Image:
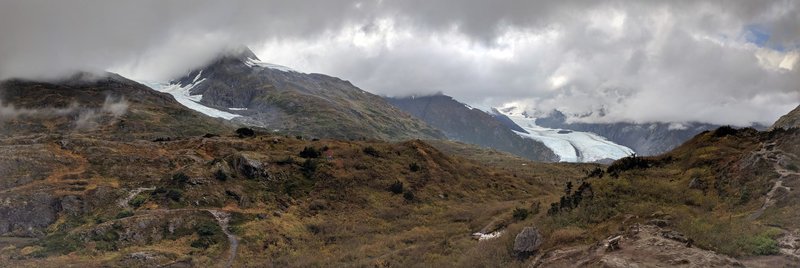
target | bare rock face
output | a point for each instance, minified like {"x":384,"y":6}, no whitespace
{"x":527,"y":242}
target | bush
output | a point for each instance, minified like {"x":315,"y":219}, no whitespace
{"x":520,"y":214}
{"x":207,"y":229}
{"x":371,"y":151}
{"x":310,"y":152}
{"x":245,"y":132}
{"x":396,"y":187}
{"x":180,"y":178}
{"x":138,"y":201}
{"x":175,"y":194}
{"x":413,"y":167}
{"x":408,"y":196}
{"x":286,"y":161}
{"x":309,"y":167}
{"x":124,"y":214}
{"x":220,"y":175}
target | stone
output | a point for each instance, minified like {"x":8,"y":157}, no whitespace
{"x":527,"y":242}
{"x":659,"y":222}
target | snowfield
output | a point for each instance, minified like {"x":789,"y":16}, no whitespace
{"x":571,"y":146}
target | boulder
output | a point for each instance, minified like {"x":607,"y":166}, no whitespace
{"x":247,"y":166}
{"x":527,"y":242}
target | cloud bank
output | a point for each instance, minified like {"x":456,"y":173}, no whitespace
{"x":638,"y":61}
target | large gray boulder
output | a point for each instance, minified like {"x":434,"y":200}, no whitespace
{"x":527,"y":242}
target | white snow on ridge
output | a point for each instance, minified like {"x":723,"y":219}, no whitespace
{"x":571,"y":146}
{"x":257,"y":63}
{"x":184,"y":97}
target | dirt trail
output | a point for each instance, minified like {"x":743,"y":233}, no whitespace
{"x":223,"y":218}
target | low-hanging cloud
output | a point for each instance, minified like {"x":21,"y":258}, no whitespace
{"x":638,"y":61}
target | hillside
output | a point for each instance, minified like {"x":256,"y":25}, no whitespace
{"x":242,"y":88}
{"x":790,"y":120}
{"x":462,"y":123}
{"x":106,"y":197}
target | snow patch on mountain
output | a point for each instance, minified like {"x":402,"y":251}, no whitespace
{"x":570,"y":146}
{"x":257,"y":63}
{"x":183,"y":95}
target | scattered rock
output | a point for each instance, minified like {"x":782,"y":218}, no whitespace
{"x":673,"y":235}
{"x":527,"y":242}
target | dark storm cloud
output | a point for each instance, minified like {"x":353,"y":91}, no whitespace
{"x":637,"y":61}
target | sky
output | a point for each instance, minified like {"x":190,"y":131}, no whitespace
{"x":721,"y":62}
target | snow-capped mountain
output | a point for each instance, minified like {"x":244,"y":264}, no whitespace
{"x":570,"y":146}
{"x":241,"y":88}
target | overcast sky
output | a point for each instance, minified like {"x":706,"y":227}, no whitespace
{"x":724,"y":62}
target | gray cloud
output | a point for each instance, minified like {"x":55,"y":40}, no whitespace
{"x":636,"y":61}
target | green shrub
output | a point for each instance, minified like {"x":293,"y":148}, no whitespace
{"x":309,"y":167}
{"x":286,"y":161}
{"x":180,"y":178}
{"x":414,"y":167}
{"x":220,"y":175}
{"x":520,"y":214}
{"x":396,"y":187}
{"x":175,"y":194}
{"x":408,"y":196}
{"x":138,"y":201}
{"x":245,"y":132}
{"x":371,"y":151}
{"x":124,"y":214}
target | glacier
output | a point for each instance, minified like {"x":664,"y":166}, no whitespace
{"x":183,"y":96}
{"x":570,"y":146}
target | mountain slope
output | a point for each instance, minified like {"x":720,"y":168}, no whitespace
{"x":790,"y":120}
{"x":108,"y":105}
{"x":644,"y":139}
{"x":462,"y":123}
{"x":241,"y":88}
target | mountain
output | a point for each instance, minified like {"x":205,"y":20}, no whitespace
{"x":790,"y":120}
{"x":644,"y":139}
{"x":242,"y":88}
{"x":106,"y":104}
{"x":569,"y":145}
{"x":466,"y":124}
